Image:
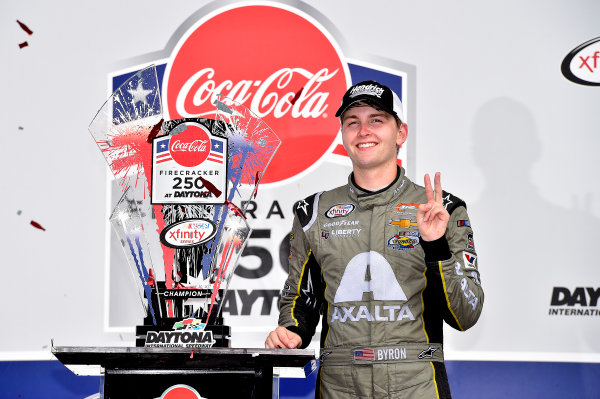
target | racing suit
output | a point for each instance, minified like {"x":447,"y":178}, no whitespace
{"x":356,"y":257}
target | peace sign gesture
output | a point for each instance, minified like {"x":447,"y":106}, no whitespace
{"x":432,"y":217}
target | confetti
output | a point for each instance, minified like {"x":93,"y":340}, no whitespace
{"x":154,"y":132}
{"x":24,"y":44}
{"x":234,"y":208}
{"x":151,"y":280}
{"x":222,"y":107}
{"x":210,"y":187}
{"x":297,"y":96}
{"x":256,"y":183}
{"x":25,"y":28}
{"x":37,"y":225}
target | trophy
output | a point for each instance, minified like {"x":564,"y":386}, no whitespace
{"x":180,"y":220}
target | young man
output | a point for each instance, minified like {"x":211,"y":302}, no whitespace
{"x":385,"y":261}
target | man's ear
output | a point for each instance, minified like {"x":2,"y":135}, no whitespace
{"x":402,"y":134}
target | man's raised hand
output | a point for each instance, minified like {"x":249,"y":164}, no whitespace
{"x":432,"y":217}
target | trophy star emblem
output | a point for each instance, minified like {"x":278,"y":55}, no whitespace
{"x":139,"y":94}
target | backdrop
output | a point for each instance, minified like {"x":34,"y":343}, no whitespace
{"x":485,"y":99}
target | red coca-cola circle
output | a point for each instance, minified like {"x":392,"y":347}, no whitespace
{"x":181,"y":391}
{"x":275,"y":62}
{"x":190,"y":147}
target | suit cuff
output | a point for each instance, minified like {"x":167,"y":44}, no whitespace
{"x":303,"y":335}
{"x":436,"y":250}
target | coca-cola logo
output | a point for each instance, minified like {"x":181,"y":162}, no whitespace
{"x":192,"y":146}
{"x":281,"y":65}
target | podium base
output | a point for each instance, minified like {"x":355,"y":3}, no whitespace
{"x":200,"y":373}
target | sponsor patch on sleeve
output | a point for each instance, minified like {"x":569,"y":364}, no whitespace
{"x":470,"y":260}
{"x":470,"y":242}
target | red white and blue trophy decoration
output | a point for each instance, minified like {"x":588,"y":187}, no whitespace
{"x":181,"y":216}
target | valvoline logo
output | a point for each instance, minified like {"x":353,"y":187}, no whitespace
{"x":276,"y":60}
{"x":181,"y":391}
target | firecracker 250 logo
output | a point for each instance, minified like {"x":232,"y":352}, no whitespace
{"x":183,"y":163}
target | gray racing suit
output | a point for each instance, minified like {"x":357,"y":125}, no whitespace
{"x":356,"y":257}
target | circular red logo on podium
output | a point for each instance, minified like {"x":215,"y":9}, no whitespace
{"x":278,"y":63}
{"x":181,"y":391}
{"x":190,"y":147}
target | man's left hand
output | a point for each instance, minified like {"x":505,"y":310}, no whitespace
{"x":432,"y":217}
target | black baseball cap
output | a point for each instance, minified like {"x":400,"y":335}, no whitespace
{"x":372,"y":92}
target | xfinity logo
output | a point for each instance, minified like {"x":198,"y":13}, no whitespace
{"x":339,"y":210}
{"x":582,"y":64}
{"x":188,"y":233}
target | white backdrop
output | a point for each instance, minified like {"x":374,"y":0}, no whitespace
{"x":510,"y":134}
